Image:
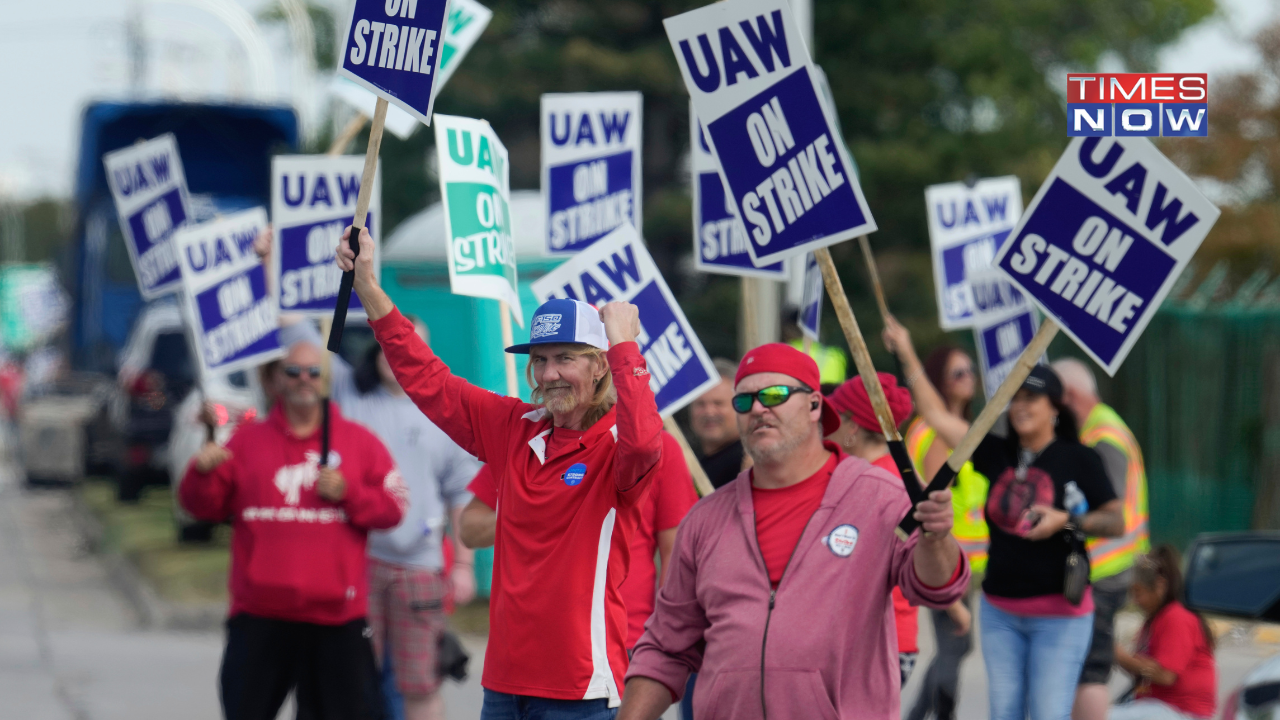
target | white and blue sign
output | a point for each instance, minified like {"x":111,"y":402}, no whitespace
{"x":234,"y":318}
{"x":1000,"y":343}
{"x":150,"y":192}
{"x":313,"y":199}
{"x":719,"y":242}
{"x":810,"y":318}
{"x":618,"y":267}
{"x":967,"y":227}
{"x":591,"y":180}
{"x":1104,"y":240}
{"x":392,"y":49}
{"x":575,"y":474}
{"x":753,"y":87}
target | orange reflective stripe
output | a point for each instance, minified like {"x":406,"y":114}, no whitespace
{"x":1112,"y":555}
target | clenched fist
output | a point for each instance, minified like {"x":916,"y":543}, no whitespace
{"x":211,"y":455}
{"x":621,"y":322}
{"x":331,"y":486}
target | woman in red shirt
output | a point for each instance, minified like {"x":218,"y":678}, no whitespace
{"x":860,"y":435}
{"x":1173,"y":662}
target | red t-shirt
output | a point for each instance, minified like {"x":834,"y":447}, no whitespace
{"x":906,"y":617}
{"x":782,"y":513}
{"x":669,"y":499}
{"x":1175,"y":639}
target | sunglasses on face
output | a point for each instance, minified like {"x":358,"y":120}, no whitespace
{"x":772,"y":396}
{"x":295,"y":371}
{"x":961,"y":373}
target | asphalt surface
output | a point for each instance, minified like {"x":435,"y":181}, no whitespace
{"x":73,"y":648}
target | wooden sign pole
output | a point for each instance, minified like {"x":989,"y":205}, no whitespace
{"x":344,"y":138}
{"x":701,"y":482}
{"x":513,"y":386}
{"x":1031,"y":354}
{"x":357,"y":224}
{"x":867,"y":371}
{"x":878,"y":289}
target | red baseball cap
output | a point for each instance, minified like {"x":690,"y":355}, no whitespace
{"x":851,"y":397}
{"x":780,"y":358}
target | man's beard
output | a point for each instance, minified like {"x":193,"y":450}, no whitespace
{"x":302,"y":398}
{"x":790,"y":440}
{"x":560,"y":403}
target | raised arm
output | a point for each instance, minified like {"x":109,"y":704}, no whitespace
{"x":639,"y":425}
{"x":477,"y":420}
{"x":929,"y":404}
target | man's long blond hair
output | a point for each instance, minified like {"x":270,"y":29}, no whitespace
{"x":605,"y":395}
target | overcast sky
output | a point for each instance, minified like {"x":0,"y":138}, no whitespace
{"x":60,"y":55}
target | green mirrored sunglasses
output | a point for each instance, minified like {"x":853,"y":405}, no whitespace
{"x":771,"y":396}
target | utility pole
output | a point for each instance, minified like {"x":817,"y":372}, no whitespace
{"x":136,"y":42}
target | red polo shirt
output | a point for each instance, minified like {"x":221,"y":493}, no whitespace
{"x":568,"y":503}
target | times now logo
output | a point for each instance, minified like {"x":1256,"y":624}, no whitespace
{"x":1138,"y":104}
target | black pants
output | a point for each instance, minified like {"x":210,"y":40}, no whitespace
{"x":940,"y":689}
{"x":330,"y":668}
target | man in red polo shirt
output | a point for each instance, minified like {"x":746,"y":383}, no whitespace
{"x":664,"y":507}
{"x":571,"y":474}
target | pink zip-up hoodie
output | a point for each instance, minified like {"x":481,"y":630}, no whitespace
{"x":820,"y":647}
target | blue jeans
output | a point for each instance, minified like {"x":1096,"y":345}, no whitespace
{"x":1033,"y":663}
{"x":686,"y":702}
{"x":502,"y":706}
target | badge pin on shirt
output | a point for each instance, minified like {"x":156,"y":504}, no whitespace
{"x":842,"y":540}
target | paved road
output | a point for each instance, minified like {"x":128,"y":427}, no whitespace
{"x":71,"y":647}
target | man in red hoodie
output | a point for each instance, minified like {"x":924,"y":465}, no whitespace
{"x":572,"y":472}
{"x":778,"y":592}
{"x":298,"y":568}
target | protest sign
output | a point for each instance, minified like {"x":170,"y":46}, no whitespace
{"x":967,"y":226}
{"x":618,"y":267}
{"x":810,"y":320}
{"x":475,"y":189}
{"x":1000,"y":341}
{"x":313,"y":199}
{"x":1104,"y":240}
{"x":719,"y":242}
{"x":773,"y":135}
{"x":390,"y":49}
{"x":150,"y":192}
{"x":591,"y":181}
{"x":464,"y":24}
{"x":234,"y":318}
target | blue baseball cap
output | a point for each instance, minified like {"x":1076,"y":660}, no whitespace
{"x":564,"y":321}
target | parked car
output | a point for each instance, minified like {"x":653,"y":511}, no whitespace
{"x":157,"y":370}
{"x":1238,"y":575}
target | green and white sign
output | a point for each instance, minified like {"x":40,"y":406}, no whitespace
{"x":475,"y":186}
{"x":464,"y":23}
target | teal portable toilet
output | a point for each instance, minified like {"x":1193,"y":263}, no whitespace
{"x":465,"y":331}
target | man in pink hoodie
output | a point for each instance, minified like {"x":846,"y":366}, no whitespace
{"x":778,"y":591}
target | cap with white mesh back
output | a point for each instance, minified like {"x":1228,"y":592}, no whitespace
{"x":564,"y":321}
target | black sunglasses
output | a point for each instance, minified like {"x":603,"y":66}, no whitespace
{"x":771,"y":396}
{"x":295,"y":371}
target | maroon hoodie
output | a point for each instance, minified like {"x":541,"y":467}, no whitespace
{"x":820,"y":647}
{"x":295,"y":556}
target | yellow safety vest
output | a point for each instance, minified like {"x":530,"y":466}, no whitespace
{"x":1109,"y":556}
{"x":968,"y":496}
{"x":832,"y":364}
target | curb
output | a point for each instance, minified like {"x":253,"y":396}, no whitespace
{"x":153,"y":611}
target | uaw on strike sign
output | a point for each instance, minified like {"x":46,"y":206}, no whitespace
{"x":475,"y":185}
{"x":752,"y":84}
{"x":150,"y":192}
{"x":1104,"y":240}
{"x":590,"y":166}
{"x":235,"y":318}
{"x":313,"y":199}
{"x":968,"y":225}
{"x":719,"y":242}
{"x":618,"y":267}
{"x":392,"y":49}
